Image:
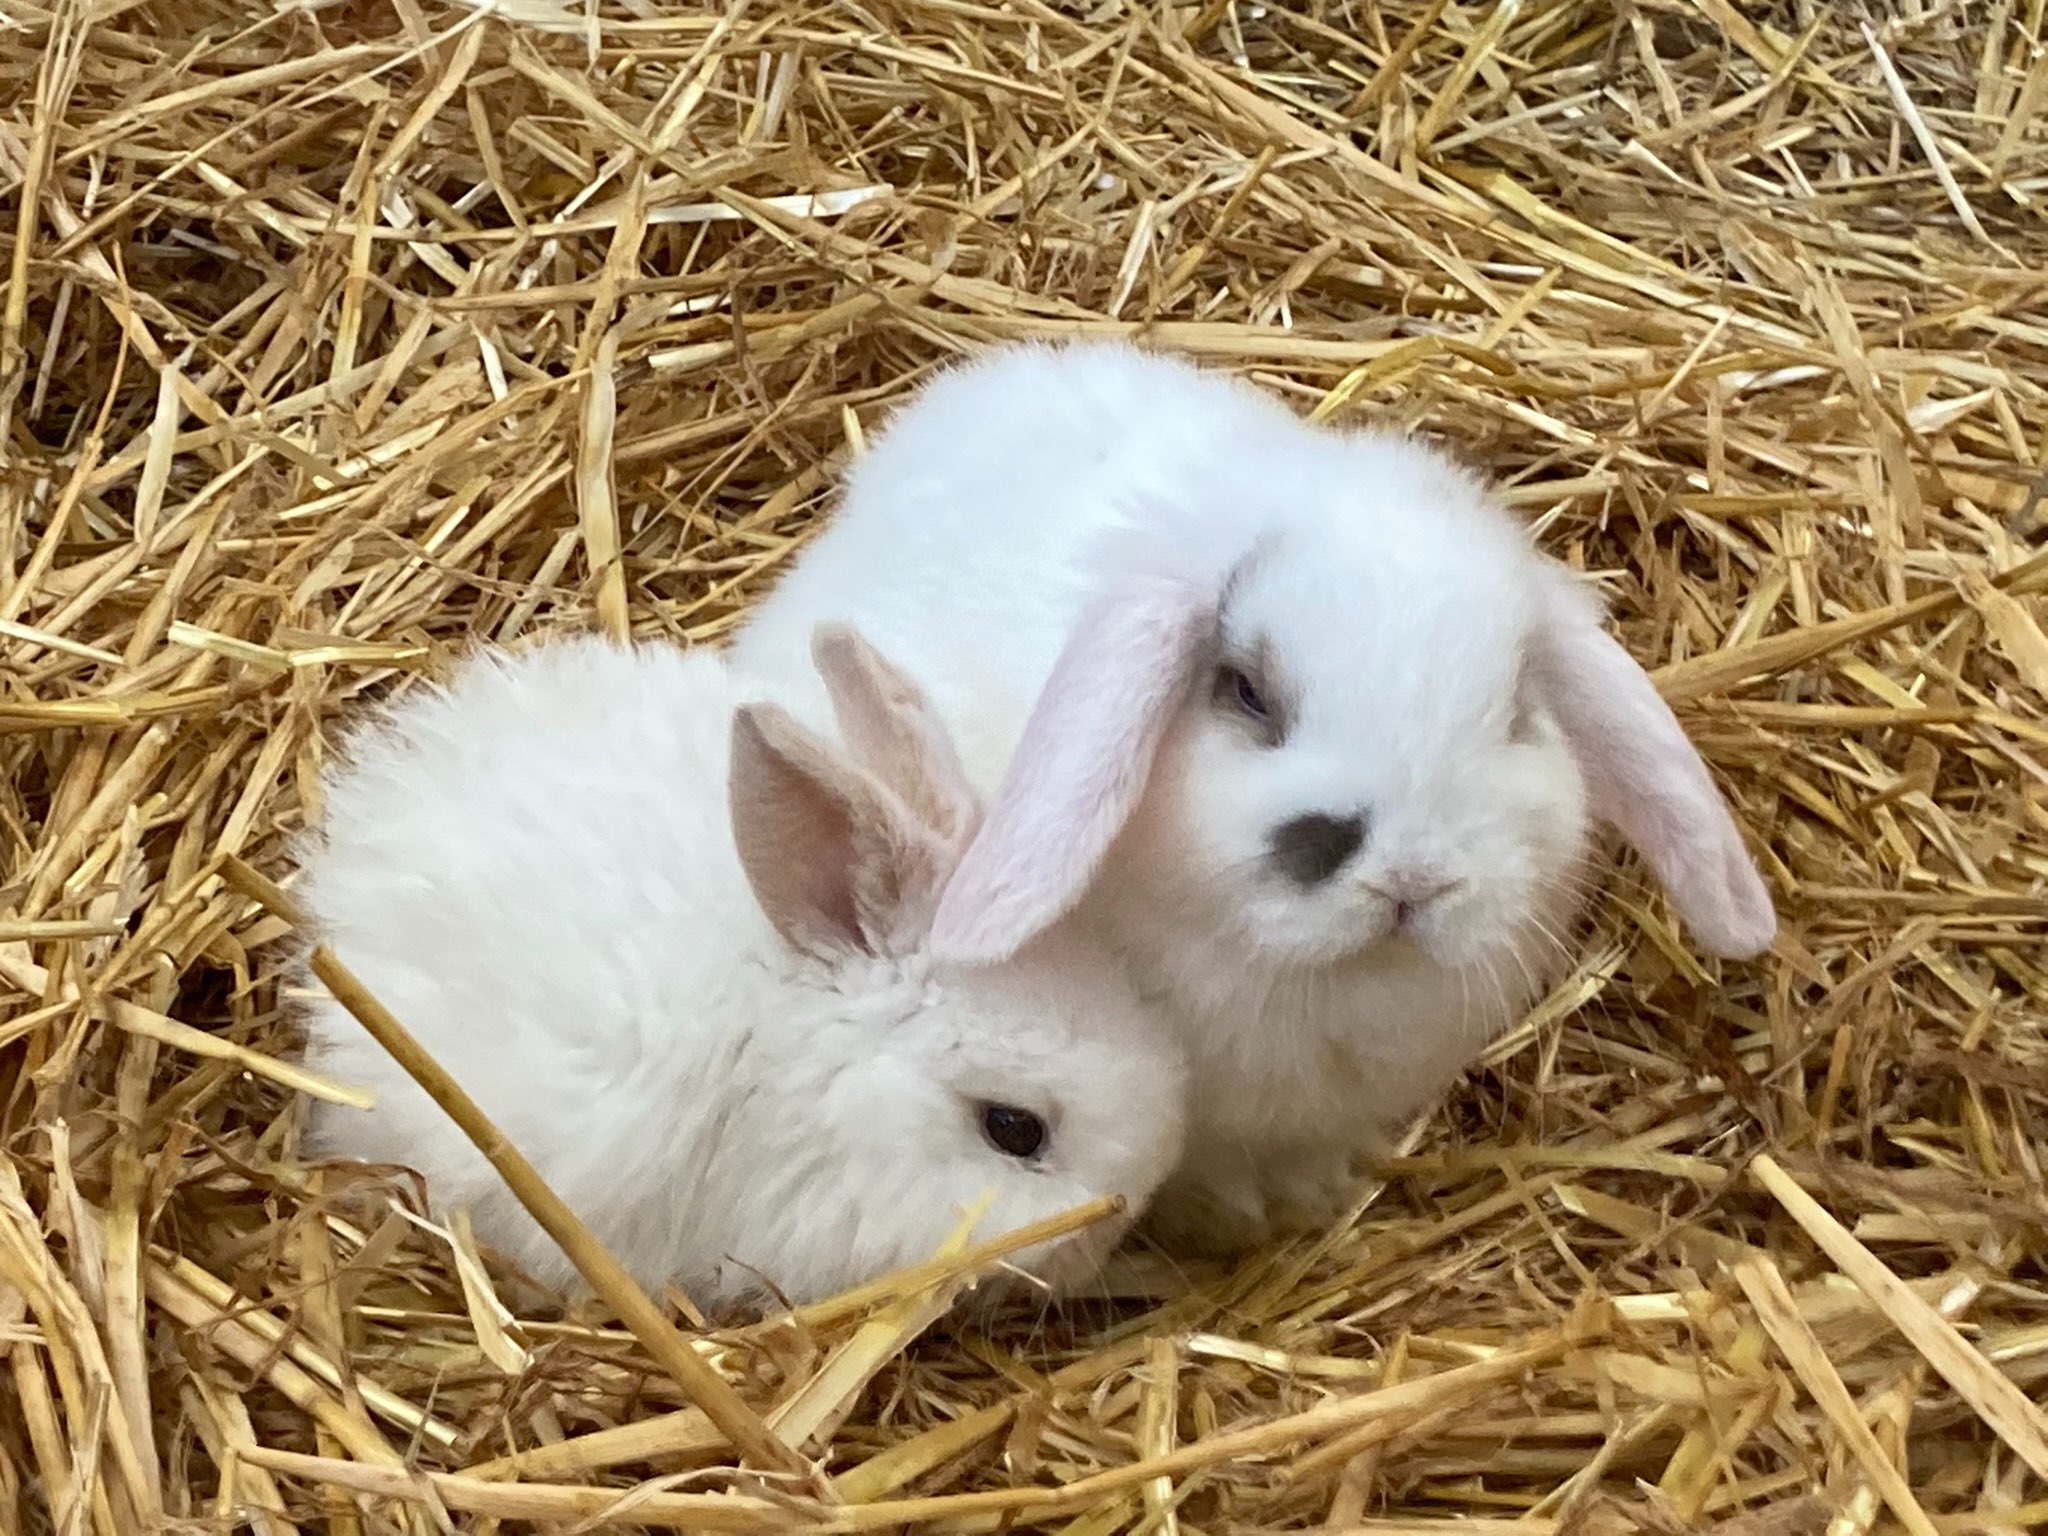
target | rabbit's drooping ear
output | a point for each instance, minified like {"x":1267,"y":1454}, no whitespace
{"x":837,"y":863}
{"x":1645,"y":779}
{"x":1080,"y":767}
{"x":893,"y":732}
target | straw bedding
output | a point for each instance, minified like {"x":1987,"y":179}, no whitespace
{"x":337,"y":335}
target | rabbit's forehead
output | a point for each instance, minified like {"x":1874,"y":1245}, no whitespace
{"x":1035,"y":1054}
{"x":1368,"y":634}
{"x":1059,"y":1000}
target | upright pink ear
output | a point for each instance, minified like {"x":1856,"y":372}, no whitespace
{"x":1645,"y":779}
{"x":893,"y":732}
{"x":1080,"y":767}
{"x":835,"y":860}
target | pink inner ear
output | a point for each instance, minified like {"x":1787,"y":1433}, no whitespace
{"x":1645,"y":779}
{"x":837,"y":863}
{"x":893,"y":732}
{"x":1080,"y":767}
{"x":795,"y":833}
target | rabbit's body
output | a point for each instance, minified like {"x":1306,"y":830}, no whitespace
{"x":535,"y":869}
{"x":1295,"y":718}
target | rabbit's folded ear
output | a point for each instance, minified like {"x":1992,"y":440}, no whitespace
{"x":894,"y":733}
{"x":838,"y":864}
{"x":1080,"y":767}
{"x":1644,"y":778}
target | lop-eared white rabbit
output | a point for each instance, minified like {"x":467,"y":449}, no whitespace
{"x":1297,"y":717}
{"x":675,"y":945}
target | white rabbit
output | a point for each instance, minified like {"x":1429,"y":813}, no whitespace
{"x":675,"y":946}
{"x":1297,"y":717}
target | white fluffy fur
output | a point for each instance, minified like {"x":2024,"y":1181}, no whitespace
{"x":1031,"y":514}
{"x":535,"y":870}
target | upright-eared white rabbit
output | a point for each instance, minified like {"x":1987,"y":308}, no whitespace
{"x":1297,"y":718}
{"x":676,"y":946}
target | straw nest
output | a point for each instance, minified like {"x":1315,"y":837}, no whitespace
{"x":336,"y":335}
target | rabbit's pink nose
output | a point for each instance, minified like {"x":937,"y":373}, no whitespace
{"x":1411,"y":891}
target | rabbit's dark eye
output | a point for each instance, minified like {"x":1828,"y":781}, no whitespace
{"x":1249,"y":690}
{"x":1235,"y":687}
{"x":1012,"y":1131}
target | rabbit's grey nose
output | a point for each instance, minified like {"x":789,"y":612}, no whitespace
{"x":1310,"y":849}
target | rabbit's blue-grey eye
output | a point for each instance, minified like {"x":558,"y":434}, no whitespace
{"x":1235,"y":686}
{"x":1012,"y":1131}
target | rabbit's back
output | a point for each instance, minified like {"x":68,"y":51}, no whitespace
{"x":979,"y":524}
{"x":535,"y":822}
{"x":533,"y":869}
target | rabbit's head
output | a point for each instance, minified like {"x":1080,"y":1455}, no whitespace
{"x":1343,"y":704}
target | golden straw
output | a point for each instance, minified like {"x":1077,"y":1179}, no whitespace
{"x":338,"y":340}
